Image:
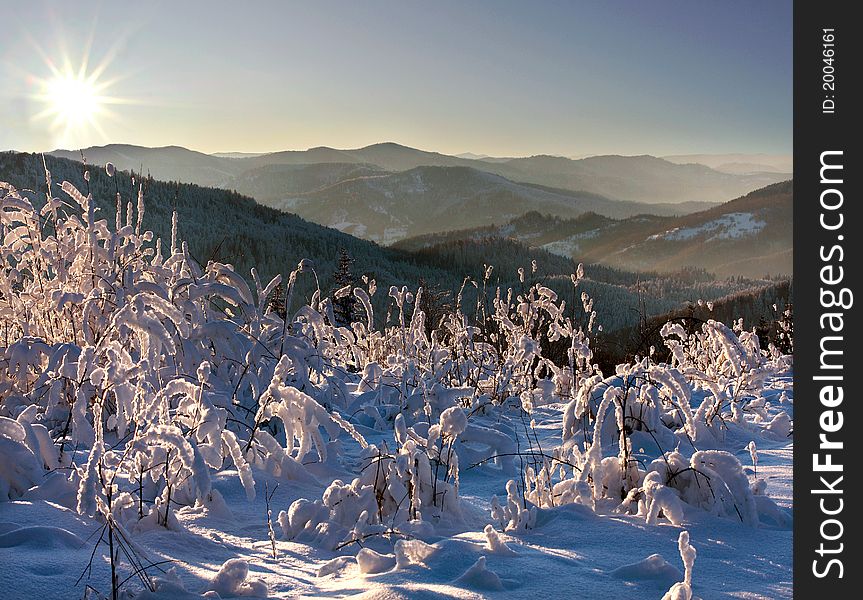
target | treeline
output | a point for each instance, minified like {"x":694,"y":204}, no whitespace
{"x":767,"y":309}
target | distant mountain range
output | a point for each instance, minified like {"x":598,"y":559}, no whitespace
{"x":750,"y":236}
{"x":387,"y":192}
{"x":169,"y":163}
{"x":738,"y":164}
{"x":644,"y":179}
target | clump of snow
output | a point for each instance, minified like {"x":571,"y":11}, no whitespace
{"x":478,"y":576}
{"x":20,"y":468}
{"x":453,"y":421}
{"x":753,"y":454}
{"x":335,"y":565}
{"x":513,"y":516}
{"x":232,"y":580}
{"x":412,"y":552}
{"x":495,"y":544}
{"x":659,"y":497}
{"x":371,"y":562}
{"x":300,"y":514}
{"x":780,"y":426}
{"x":652,"y":567}
{"x":216,"y":506}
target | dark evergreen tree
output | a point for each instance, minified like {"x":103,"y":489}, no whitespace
{"x":436,"y":303}
{"x":762,"y":330}
{"x":344,"y":307}
{"x":277,"y":301}
{"x":784,"y":339}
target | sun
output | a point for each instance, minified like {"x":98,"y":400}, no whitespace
{"x":73,"y":100}
{"x":75,"y":103}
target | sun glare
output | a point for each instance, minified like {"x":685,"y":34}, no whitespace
{"x":74,"y":102}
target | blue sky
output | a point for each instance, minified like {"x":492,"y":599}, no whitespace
{"x":499,"y":78}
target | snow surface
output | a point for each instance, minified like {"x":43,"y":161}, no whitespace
{"x":570,"y":245}
{"x":571,"y":552}
{"x":731,"y":226}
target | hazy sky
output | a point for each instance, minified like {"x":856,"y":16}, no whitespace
{"x":491,"y":77}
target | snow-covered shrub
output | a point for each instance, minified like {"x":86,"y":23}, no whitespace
{"x":712,"y":480}
{"x":23,"y":463}
{"x":396,"y":492}
{"x":727,"y":364}
{"x":233,"y":580}
{"x":649,"y":403}
{"x":513,"y":516}
{"x":104,"y":329}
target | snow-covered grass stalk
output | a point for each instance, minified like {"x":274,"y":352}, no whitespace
{"x":683,"y":589}
{"x":268,"y":497}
